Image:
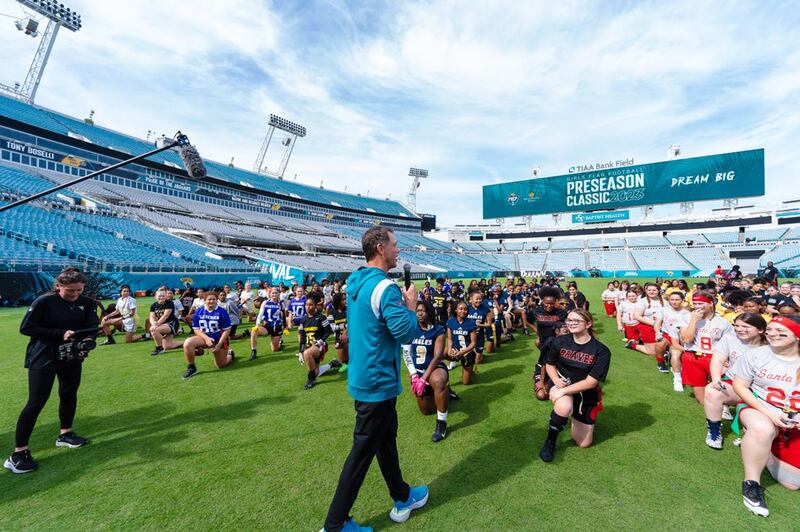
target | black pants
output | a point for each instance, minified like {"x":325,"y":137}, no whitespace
{"x":40,"y":383}
{"x":375,"y":434}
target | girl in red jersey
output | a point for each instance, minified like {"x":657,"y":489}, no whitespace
{"x":576,"y":363}
{"x":769,"y":384}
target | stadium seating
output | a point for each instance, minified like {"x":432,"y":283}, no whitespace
{"x":531,"y":261}
{"x":615,"y":259}
{"x":703,"y":257}
{"x":598,"y":243}
{"x":566,"y":260}
{"x":659,"y":259}
{"x":567,"y":244}
{"x":681,"y":240}
{"x":647,"y":241}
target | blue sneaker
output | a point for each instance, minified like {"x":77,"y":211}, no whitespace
{"x":417,"y":498}
{"x":351,"y":526}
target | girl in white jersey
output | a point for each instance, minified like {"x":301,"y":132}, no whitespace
{"x":769,"y":384}
{"x":673,"y":320}
{"x":749,"y":329}
{"x":122,"y":319}
{"x":610,"y":298}
{"x":626,"y":310}
{"x":699,"y":337}
{"x":650,"y":315}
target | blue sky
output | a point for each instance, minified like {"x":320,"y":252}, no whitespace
{"x":476,"y":92}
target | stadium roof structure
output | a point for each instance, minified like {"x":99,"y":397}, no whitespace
{"x":74,"y":128}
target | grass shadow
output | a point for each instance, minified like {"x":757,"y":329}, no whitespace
{"x":504,"y":456}
{"x":146,"y":432}
{"x":475,"y":401}
{"x":618,"y":420}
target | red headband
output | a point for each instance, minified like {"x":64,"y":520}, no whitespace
{"x":789,"y":324}
{"x":702,"y":299}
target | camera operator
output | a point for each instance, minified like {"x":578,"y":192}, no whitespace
{"x":62,"y":326}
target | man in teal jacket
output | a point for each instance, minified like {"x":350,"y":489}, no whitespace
{"x":381,"y":317}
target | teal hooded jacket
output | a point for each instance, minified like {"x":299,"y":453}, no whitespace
{"x":378,"y":323}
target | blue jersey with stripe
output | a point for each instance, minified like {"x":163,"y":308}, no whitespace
{"x":422,"y":346}
{"x":271,"y":312}
{"x":297,"y":306}
{"x":211,"y":322}
{"x":459,"y":332}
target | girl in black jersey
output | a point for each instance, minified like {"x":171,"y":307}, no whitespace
{"x":576,"y":363}
{"x":314,"y":330}
{"x":338,"y":319}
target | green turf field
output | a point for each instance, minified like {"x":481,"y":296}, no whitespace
{"x":248,"y":448}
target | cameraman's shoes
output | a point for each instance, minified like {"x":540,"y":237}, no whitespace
{"x":20,"y":462}
{"x":71,"y":440}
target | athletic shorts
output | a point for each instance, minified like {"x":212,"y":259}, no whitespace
{"x":787,"y":451}
{"x":274,"y":329}
{"x":611,"y":308}
{"x":647,"y":335}
{"x":322,"y":351}
{"x":128,"y":325}
{"x":233,"y":329}
{"x":488,"y":334}
{"x":174,"y":327}
{"x":429,"y":389}
{"x":667,"y":338}
{"x":696,"y":369}
{"x":631,"y":332}
{"x":296,"y":320}
{"x":481,"y":340}
{"x":586,"y":405}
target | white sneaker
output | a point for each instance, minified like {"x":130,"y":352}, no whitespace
{"x":677,"y":383}
{"x":714,"y":443}
{"x":737,"y":442}
{"x":726,"y":413}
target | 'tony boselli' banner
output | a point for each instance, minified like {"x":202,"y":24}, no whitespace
{"x":728,"y":175}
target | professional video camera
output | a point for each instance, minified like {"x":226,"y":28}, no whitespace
{"x":78,"y":346}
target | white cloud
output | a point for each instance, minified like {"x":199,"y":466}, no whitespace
{"x":475,"y":92}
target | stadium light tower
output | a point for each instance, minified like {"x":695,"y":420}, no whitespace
{"x":417,"y":174}
{"x":287,"y":126}
{"x":57,"y":15}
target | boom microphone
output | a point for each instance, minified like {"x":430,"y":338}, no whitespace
{"x":407,"y":274}
{"x":192,"y":160}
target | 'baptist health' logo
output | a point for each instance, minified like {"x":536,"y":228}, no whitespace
{"x":512,"y":199}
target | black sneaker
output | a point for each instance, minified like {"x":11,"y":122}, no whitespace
{"x":452,"y":395}
{"x":335,"y":364}
{"x":662,"y":367}
{"x":753,"y":496}
{"x":310,"y":383}
{"x":232,"y":354}
{"x":109,"y":341}
{"x":190,"y":372}
{"x":527,"y":332}
{"x":441,"y":431}
{"x":21,"y":462}
{"x":157,"y":351}
{"x":253,"y":356}
{"x":71,"y":440}
{"x":548,"y":451}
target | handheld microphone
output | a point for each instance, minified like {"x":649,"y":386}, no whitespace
{"x":407,"y":274}
{"x":190,"y":157}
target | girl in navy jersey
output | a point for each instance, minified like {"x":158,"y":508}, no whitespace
{"x":211,"y":325}
{"x":424,"y":360}
{"x":749,"y":329}
{"x":769,"y":384}
{"x":462,"y":337}
{"x":577,"y":363}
